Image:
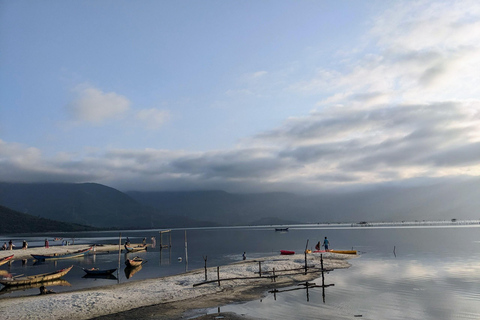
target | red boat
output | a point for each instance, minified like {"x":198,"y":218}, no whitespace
{"x":287,"y":252}
{"x":5,"y":260}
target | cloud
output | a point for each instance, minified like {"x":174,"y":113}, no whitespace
{"x":152,"y":118}
{"x":95,"y":106}
{"x":405,"y":106}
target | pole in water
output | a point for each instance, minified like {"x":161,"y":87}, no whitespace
{"x":119,"y":255}
{"x":186,"y":252}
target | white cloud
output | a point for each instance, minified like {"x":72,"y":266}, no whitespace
{"x":95,"y":106}
{"x":152,"y":118}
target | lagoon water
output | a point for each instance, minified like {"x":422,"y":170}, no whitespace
{"x":415,"y":272}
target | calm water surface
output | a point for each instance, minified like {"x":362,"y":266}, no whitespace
{"x":434,"y":272}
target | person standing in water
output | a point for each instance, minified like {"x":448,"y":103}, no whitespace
{"x":326,"y":243}
{"x":244,"y":256}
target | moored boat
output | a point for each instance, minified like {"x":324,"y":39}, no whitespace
{"x":135,"y":262}
{"x":135,"y":249}
{"x":6,"y":259}
{"x":65,"y":255}
{"x":27,"y":280}
{"x":281,"y":229}
{"x":97,"y":271}
{"x":287,"y":252}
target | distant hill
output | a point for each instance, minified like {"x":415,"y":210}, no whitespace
{"x":16,"y":222}
{"x":226,"y":208}
{"x":87,"y":204}
{"x":101,"y":206}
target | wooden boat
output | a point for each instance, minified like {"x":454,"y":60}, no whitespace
{"x":65,"y":255}
{"x":135,"y":249}
{"x":97,"y":271}
{"x":287,"y":252}
{"x":6,"y":259}
{"x":344,"y":251}
{"x":135,"y":262}
{"x":281,"y":229}
{"x":27,"y":280}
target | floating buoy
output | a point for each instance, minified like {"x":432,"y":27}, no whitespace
{"x":179,"y":259}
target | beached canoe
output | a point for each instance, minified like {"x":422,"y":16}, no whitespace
{"x":65,"y":255}
{"x":135,"y":262}
{"x":6,"y":259}
{"x":97,"y":271}
{"x":135,"y":249}
{"x":26,"y":280}
{"x":287,"y":252}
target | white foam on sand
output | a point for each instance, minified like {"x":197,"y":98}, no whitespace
{"x":96,"y":302}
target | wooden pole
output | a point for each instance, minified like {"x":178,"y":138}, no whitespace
{"x":119,"y":254}
{"x":218,"y":275}
{"x":260,"y":268}
{"x":186,"y":252}
{"x":205,"y":259}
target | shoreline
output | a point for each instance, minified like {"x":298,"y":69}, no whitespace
{"x":167,"y":297}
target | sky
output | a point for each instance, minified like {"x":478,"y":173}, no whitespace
{"x":243,"y":96}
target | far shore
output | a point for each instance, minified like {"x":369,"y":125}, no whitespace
{"x":163,"y":298}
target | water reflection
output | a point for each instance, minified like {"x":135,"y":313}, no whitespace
{"x":130,"y":271}
{"x":59,"y":282}
{"x":382,"y":289}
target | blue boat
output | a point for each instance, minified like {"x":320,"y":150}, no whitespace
{"x":66,"y":255}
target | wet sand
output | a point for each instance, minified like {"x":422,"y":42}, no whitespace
{"x":172,"y":297}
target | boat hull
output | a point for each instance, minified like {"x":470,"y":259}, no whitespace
{"x":28,"y":280}
{"x":135,"y":249}
{"x":58,"y":256}
{"x":286,"y":252}
{"x":6,"y":259}
{"x":133,"y":262}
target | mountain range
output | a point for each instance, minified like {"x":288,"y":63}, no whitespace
{"x":97,"y":205}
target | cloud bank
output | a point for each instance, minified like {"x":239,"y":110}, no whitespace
{"x":404,"y":105}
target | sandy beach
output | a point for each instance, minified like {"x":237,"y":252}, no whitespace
{"x":164,"y":298}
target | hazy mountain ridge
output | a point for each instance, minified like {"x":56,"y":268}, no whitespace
{"x":102,"y":206}
{"x":17,"y":222}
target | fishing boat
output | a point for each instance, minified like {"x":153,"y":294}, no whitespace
{"x":135,"y":262}
{"x":65,"y":255}
{"x":5,"y":259}
{"x":137,"y":248}
{"x":27,"y":280}
{"x":287,"y":252}
{"x":97,"y":271}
